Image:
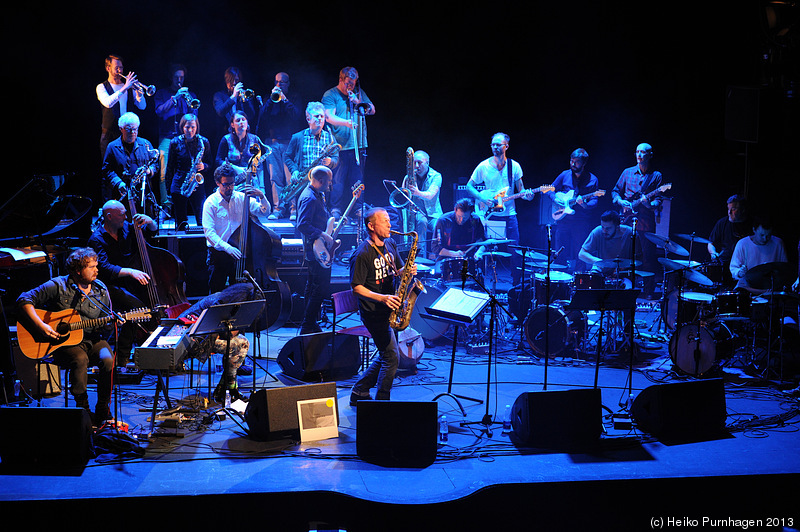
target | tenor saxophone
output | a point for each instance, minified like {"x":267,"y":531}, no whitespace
{"x":409,"y":288}
{"x":193,"y":177}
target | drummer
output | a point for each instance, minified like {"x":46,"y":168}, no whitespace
{"x":727,"y":232}
{"x":609,"y":241}
{"x":457,"y":231}
{"x":759,"y":248}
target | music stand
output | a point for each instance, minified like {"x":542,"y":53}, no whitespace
{"x":602,"y":300}
{"x":457,"y":307}
{"x":223,"y":320}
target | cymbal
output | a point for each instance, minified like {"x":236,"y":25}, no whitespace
{"x":688,"y":273}
{"x":693,"y":238}
{"x":688,"y":263}
{"x":618,"y":263}
{"x":543,"y":265}
{"x":640,"y":273}
{"x":493,"y":242}
{"x":501,"y":254}
{"x":770,"y":275}
{"x":532,"y":255}
{"x":424,"y":268}
{"x":423,"y":260}
{"x":780,"y":295}
{"x":667,"y":244}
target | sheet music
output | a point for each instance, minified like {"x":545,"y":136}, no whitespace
{"x":460,"y":303}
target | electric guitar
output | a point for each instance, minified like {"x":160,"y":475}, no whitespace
{"x":486,"y":208}
{"x":563,"y":202}
{"x":628,"y":213}
{"x":69,"y":325}
{"x":323,"y":252}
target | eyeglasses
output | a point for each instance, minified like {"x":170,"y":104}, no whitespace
{"x":227,"y":185}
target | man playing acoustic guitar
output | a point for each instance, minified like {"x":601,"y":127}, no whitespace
{"x":79,"y":291}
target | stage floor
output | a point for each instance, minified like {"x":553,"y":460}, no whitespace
{"x":481,"y":476}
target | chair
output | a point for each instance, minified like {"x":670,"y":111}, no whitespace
{"x":345,"y":304}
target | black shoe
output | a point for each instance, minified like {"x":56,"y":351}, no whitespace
{"x":355,"y":398}
{"x":102,"y":413}
{"x":219,"y":394}
{"x":236,"y":395}
{"x":245,"y":369}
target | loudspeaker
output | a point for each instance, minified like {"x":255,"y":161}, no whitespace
{"x":561,"y":419}
{"x":321,"y":356}
{"x":682,"y":411}
{"x":742,"y":114}
{"x":271,"y":413}
{"x":397,"y":433}
{"x":45,"y":437}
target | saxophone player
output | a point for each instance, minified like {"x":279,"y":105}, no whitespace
{"x":188,"y":151}
{"x":307,"y":148}
{"x":374,"y":268}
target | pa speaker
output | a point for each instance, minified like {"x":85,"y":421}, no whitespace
{"x":742,"y":114}
{"x":561,"y":419}
{"x":271,"y":413}
{"x":321,"y":356}
{"x":397,"y":433}
{"x":45,"y":437}
{"x":682,"y":411}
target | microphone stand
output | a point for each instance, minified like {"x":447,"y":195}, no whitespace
{"x":109,"y":311}
{"x":631,"y":325}
{"x":256,"y":332}
{"x":547,"y":306}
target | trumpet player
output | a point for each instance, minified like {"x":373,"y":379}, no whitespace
{"x":306,"y":147}
{"x":184,"y":156}
{"x":346,"y":104}
{"x":114,"y":96}
{"x":235,"y":98}
{"x":280,"y":116}
{"x":171,"y":104}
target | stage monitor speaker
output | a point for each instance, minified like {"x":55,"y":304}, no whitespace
{"x":560,"y":419}
{"x":41,"y":437}
{"x":321,"y":356}
{"x":397,"y":433}
{"x":742,"y":114}
{"x":682,"y":411}
{"x":271,"y":413}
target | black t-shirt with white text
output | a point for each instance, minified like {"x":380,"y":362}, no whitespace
{"x":370,"y":269}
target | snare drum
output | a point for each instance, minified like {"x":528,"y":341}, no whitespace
{"x":451,"y":269}
{"x":589,"y":281}
{"x":560,"y":287}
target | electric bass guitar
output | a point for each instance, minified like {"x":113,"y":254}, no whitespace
{"x":69,"y":325}
{"x":323,"y":252}
{"x":497,"y":204}
{"x":563,"y":202}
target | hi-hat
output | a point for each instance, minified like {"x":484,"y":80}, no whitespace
{"x":693,"y":238}
{"x":423,"y":260}
{"x":772,"y":275}
{"x":492,"y":242}
{"x":532,"y":255}
{"x":688,"y":273}
{"x":667,"y":244}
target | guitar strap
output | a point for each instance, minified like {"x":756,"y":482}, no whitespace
{"x":510,"y":176}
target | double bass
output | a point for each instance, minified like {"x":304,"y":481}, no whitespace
{"x":261,"y":249}
{"x":166,"y":289}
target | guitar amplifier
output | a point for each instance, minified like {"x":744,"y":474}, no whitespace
{"x":293,"y":253}
{"x":165,"y":348}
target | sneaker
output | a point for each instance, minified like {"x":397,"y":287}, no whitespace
{"x":293,"y":217}
{"x":277,"y":214}
{"x":355,"y":398}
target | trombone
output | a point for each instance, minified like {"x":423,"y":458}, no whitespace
{"x":139,"y":86}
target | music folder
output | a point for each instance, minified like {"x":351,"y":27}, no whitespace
{"x":457,"y":305}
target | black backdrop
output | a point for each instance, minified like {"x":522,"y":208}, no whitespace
{"x":598,"y":75}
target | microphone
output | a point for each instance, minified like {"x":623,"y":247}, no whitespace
{"x":556,"y":254}
{"x":464,"y":271}
{"x":253,"y":281}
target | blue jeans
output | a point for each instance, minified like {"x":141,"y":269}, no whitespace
{"x":383,"y":369}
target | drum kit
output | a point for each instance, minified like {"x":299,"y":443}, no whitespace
{"x":708,"y":320}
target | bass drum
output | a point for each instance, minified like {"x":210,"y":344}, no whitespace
{"x":694,"y":349}
{"x":427,"y":328}
{"x":561,"y":326}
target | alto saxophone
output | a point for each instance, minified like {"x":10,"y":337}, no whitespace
{"x":408,"y":290}
{"x":193,"y":177}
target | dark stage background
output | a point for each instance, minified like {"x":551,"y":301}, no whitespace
{"x":602,"y":75}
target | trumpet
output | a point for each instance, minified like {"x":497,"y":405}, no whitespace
{"x":139,"y":86}
{"x":194,"y":103}
{"x":247,"y":95}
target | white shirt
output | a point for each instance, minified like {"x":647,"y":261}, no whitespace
{"x":747,"y":255}
{"x":109,"y":100}
{"x":487,"y":173}
{"x":222,"y":218}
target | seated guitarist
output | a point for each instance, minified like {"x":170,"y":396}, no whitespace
{"x":76,"y":290}
{"x":633,"y":184}
{"x":580,"y":185}
{"x":496,"y":173}
{"x":312,"y":220}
